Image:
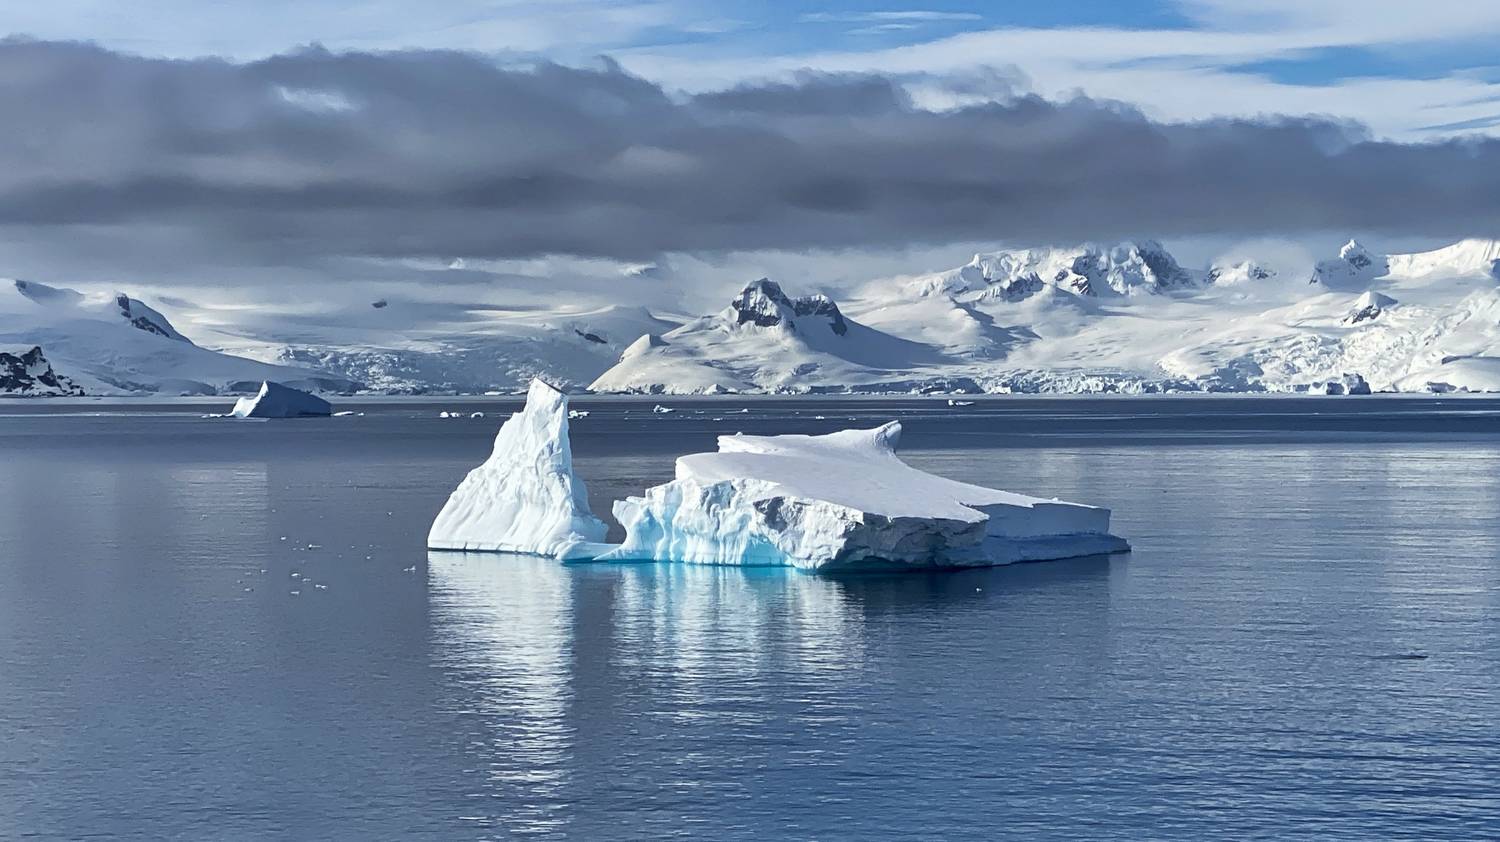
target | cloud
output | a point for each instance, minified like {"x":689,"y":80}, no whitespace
{"x":190,"y":28}
{"x":909,"y":15}
{"x":1214,"y":64}
{"x":436,"y":155}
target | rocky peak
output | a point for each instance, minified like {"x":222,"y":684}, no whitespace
{"x":1354,"y":265}
{"x":144,"y":318}
{"x":29,"y":373}
{"x":1356,"y":255}
{"x":1239,"y":273}
{"x":1368,"y":307}
{"x":764,"y":304}
{"x":1091,"y":270}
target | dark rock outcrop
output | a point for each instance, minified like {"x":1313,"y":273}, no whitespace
{"x":30,"y":374}
{"x":763,"y":303}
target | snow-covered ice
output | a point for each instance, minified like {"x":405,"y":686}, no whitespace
{"x":524,"y":498}
{"x":277,"y":401}
{"x":112,"y":343}
{"x":841,"y":501}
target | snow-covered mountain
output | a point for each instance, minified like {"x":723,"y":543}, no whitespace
{"x":1126,"y":269}
{"x":115,"y":344}
{"x":411,"y":348}
{"x":1124,"y":318}
{"x":1127,"y":317}
{"x":30,"y":374}
{"x":766,"y":340}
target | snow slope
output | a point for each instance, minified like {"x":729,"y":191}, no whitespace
{"x":434,"y":347}
{"x":843,"y":501}
{"x":524,"y":498}
{"x":766,"y":340}
{"x":1126,"y":318}
{"x":115,"y":344}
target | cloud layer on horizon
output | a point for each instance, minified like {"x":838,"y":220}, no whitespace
{"x":315,"y":156}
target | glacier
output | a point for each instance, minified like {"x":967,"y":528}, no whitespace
{"x":275,"y":400}
{"x":525,"y":497}
{"x":115,"y":344}
{"x":844,"y":501}
{"x":1126,"y":317}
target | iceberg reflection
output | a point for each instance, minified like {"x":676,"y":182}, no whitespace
{"x":503,"y":631}
{"x":556,"y":666}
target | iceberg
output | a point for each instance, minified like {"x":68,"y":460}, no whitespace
{"x":277,"y":401}
{"x":524,"y":498}
{"x":844,"y":501}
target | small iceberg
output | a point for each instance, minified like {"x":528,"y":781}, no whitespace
{"x":277,"y":401}
{"x":1348,"y":384}
{"x":844,"y":501}
{"x":524,"y":498}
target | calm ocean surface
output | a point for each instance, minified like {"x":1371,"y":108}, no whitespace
{"x":1305,"y":641}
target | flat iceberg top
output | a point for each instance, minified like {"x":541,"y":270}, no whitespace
{"x":854,"y":468}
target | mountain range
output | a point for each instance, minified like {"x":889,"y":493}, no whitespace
{"x":1124,"y":317}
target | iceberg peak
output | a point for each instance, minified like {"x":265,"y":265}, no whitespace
{"x":525,"y":497}
{"x":275,"y":400}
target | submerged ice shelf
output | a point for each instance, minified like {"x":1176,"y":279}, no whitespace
{"x":832,"y":502}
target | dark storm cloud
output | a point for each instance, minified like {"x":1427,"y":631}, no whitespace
{"x":312,"y":155}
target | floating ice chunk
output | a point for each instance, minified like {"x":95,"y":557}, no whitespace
{"x":524,"y":498}
{"x":840,"y":501}
{"x":1348,"y":384}
{"x":277,"y":401}
{"x":662,"y":410}
{"x":578,"y":413}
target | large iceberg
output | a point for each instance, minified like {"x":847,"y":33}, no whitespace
{"x":524,"y":498}
{"x":277,"y":401}
{"x":843,"y":501}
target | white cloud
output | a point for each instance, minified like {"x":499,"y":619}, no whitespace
{"x":247,"y":30}
{"x":1178,"y":74}
{"x":912,"y":15}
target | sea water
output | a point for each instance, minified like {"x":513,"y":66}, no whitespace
{"x":213,"y":629}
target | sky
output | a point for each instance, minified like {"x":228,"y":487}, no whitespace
{"x":233,"y":143}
